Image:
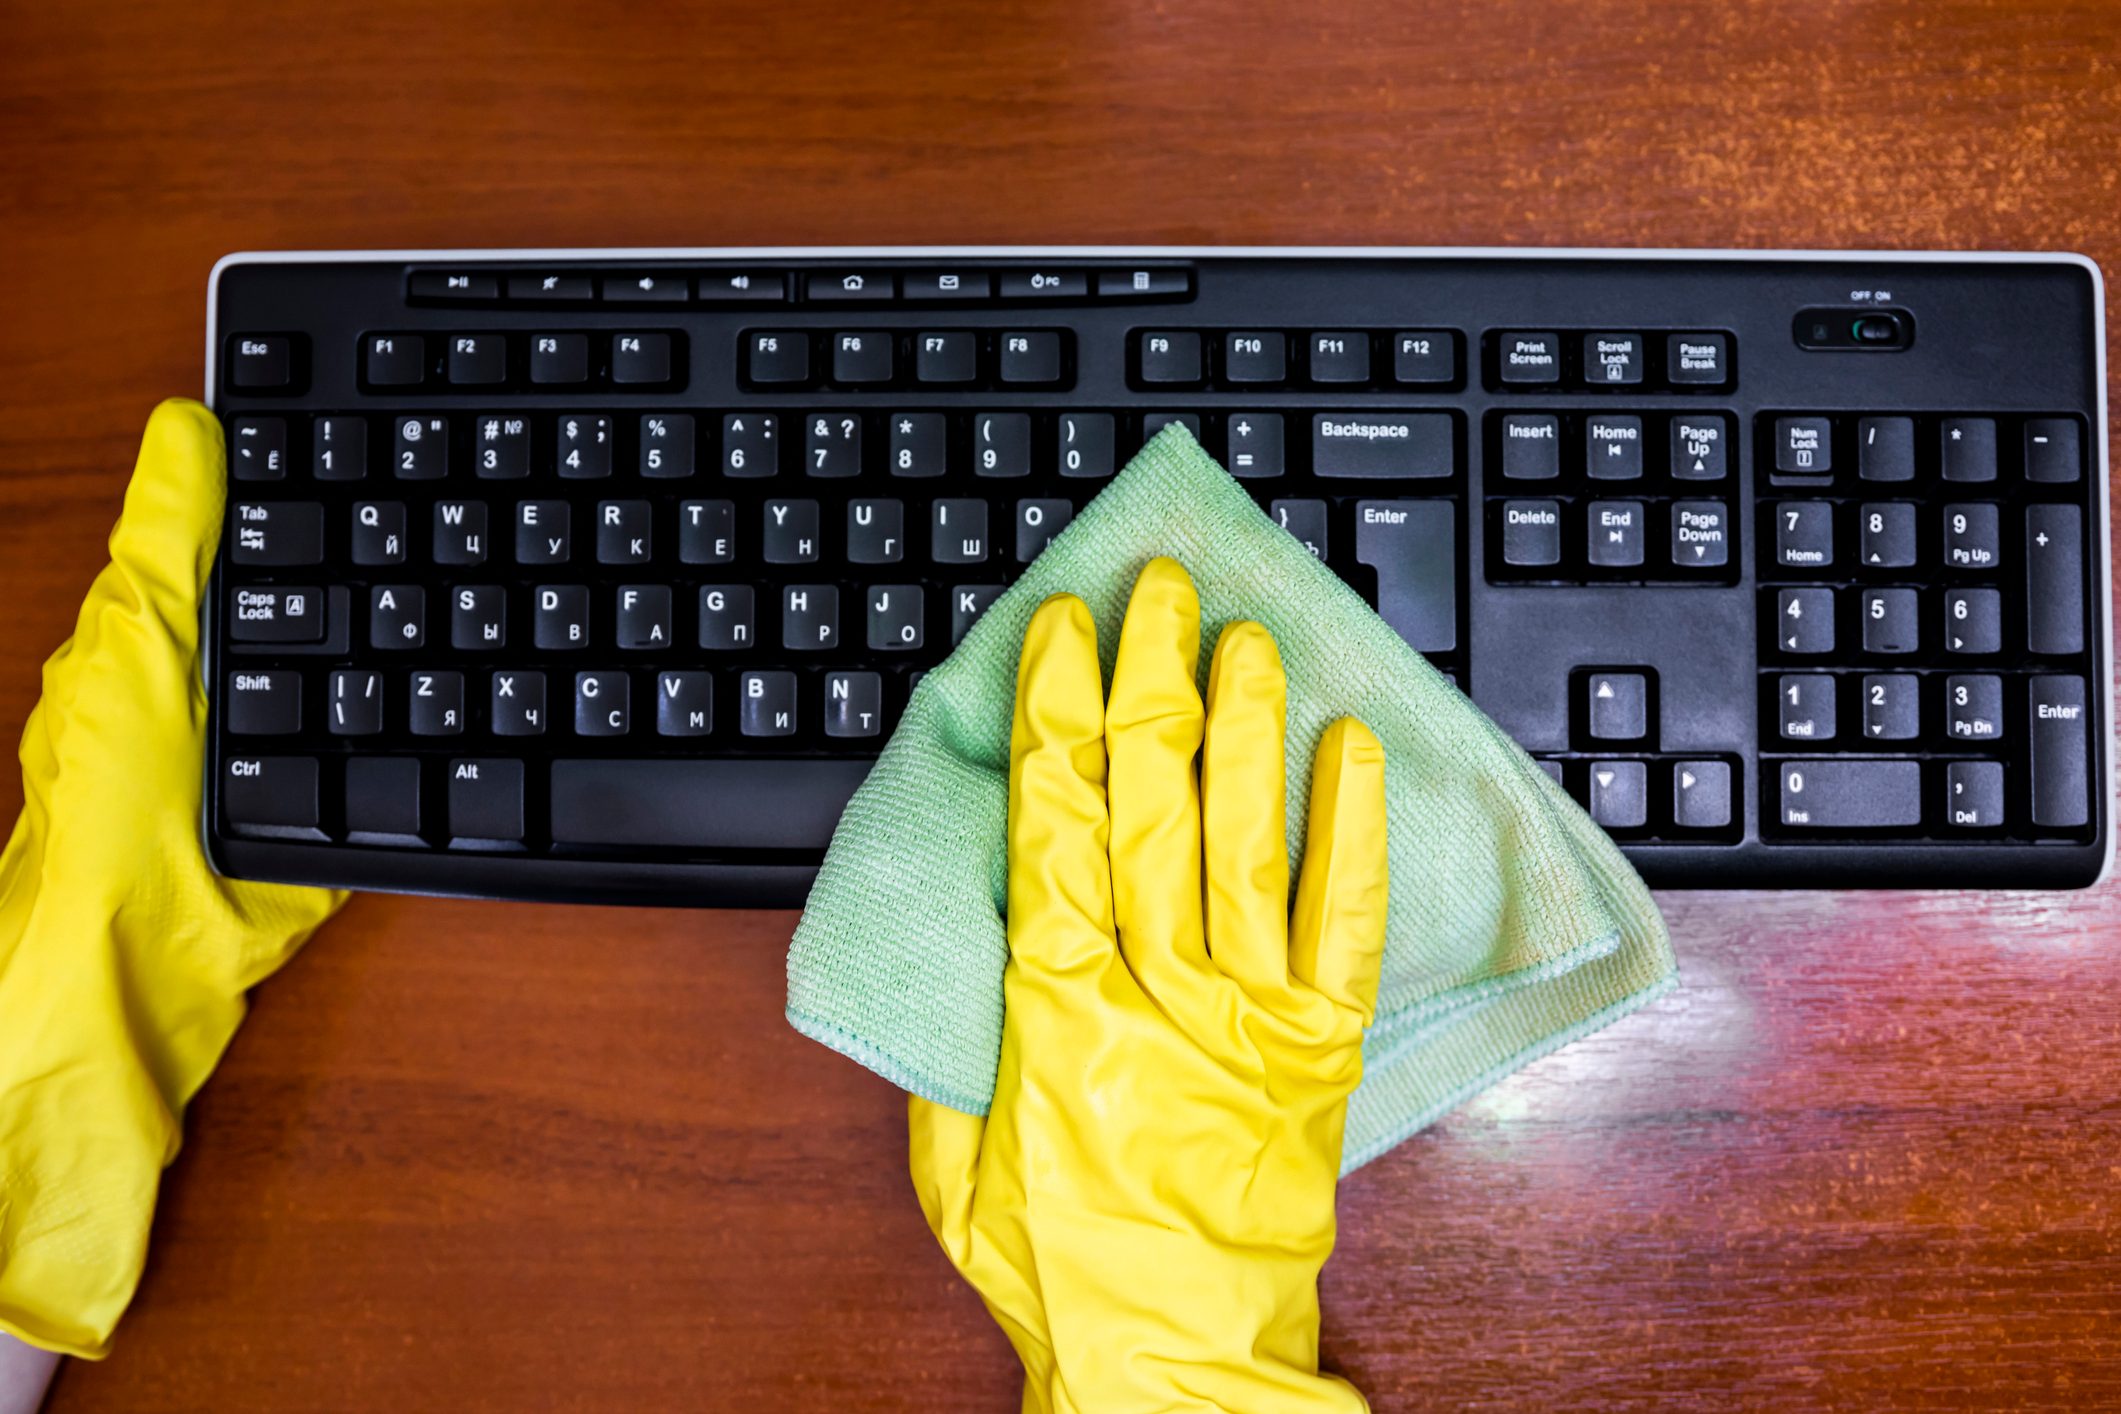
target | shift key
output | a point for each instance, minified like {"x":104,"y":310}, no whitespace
{"x":1420,"y":445}
{"x":2061,"y":752}
{"x":1413,"y":546}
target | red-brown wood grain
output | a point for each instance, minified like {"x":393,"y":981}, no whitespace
{"x":473,"y":1156}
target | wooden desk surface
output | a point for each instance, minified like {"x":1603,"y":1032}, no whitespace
{"x":480,"y":1157}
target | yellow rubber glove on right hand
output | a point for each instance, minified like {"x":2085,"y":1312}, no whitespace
{"x":1147,"y":1205}
{"x":123,"y":957}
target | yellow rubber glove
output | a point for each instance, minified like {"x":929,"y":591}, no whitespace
{"x":123,"y":957}
{"x":1146,"y":1208}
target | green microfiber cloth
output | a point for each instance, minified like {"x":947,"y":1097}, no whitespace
{"x":1515,"y":924}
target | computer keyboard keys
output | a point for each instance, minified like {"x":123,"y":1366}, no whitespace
{"x":1169,"y":357}
{"x":2061,"y":745}
{"x":1528,"y":358}
{"x":967,"y":603}
{"x":1531,"y":446}
{"x":1086,"y":441}
{"x":257,"y":449}
{"x":1001,"y":444}
{"x":477,"y":360}
{"x":1697,"y":360}
{"x":1969,"y":448}
{"x":1701,"y":795}
{"x":706,"y":532}
{"x":919,"y":444}
{"x":277,"y":614}
{"x":1038,"y":520}
{"x":1619,"y":706}
{"x":640,"y":359}
{"x":478,"y":618}
{"x":1850,"y":795}
{"x":559,"y":360}
{"x":832,"y":444}
{"x":560,"y":620}
{"x":1892,"y":708}
{"x":1304,"y":519}
{"x":1256,"y":359}
{"x":624,"y":533}
{"x":958,"y":531}
{"x":383,"y":797}
{"x":1886,"y":534}
{"x":421,"y":449}
{"x":789,"y":532}
{"x":1425,"y":357}
{"x":264,"y":703}
{"x":750,"y":444}
{"x":1973,"y":620}
{"x":684,"y":803}
{"x":2054,"y":584}
{"x":1612,"y":360}
{"x":897,"y":615}
{"x":1804,"y":620}
{"x":1614,"y":533}
{"x":1612,"y":448}
{"x":1971,"y":540}
{"x":502,"y":450}
{"x":643,"y":618}
{"x":1620,"y":795}
{"x":1031,"y":358}
{"x":2052,"y":450}
{"x":397,"y":616}
{"x":260,"y":362}
{"x":1531,"y":533}
{"x":393,"y":360}
{"x":1413,"y":547}
{"x":551,"y":289}
{"x":876,"y":532}
{"x":946,"y":357}
{"x":1804,"y":446}
{"x":1415,"y":445}
{"x":778,"y":358}
{"x":460,"y":532}
{"x":1044,"y":284}
{"x":603,"y":704}
{"x":854,"y":704}
{"x":1885,"y":449}
{"x":1700,"y":534}
{"x":278,"y":533}
{"x":1889,"y":620}
{"x":486,"y":800}
{"x":1155,"y":422}
{"x":584,"y":447}
{"x":355,"y":705}
{"x":338,"y":449}
{"x":1973,"y":707}
{"x":1340,"y":358}
{"x":516,"y":702}
{"x":436,"y":704}
{"x":684,"y":703}
{"x":766,"y":704}
{"x":666,"y":445}
{"x":810,"y":617}
{"x":727,"y":616}
{"x":1804,"y":534}
{"x":544,"y":532}
{"x":1973,"y":795}
{"x":272,"y":796}
{"x":1804,"y":705}
{"x":1700,"y":448}
{"x":1255,"y":444}
{"x":862,"y":357}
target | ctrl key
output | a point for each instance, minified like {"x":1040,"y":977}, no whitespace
{"x":485,"y":802}
{"x":271,"y":797}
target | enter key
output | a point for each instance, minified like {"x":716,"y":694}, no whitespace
{"x":1413,"y":546}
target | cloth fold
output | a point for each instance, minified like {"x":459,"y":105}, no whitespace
{"x":1516,"y":925}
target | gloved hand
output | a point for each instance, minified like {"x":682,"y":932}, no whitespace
{"x":123,"y":957}
{"x":1146,"y":1208}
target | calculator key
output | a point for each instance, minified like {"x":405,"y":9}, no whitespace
{"x":1701,"y":795}
{"x":1885,"y":449}
{"x":706,"y":532}
{"x":1620,"y":794}
{"x":1886,"y":534}
{"x":1804,"y":446}
{"x":1086,"y":441}
{"x":1304,"y":519}
{"x":1973,"y":620}
{"x":1971,"y":539}
{"x":1001,"y":444}
{"x":2061,"y":752}
{"x":477,"y":360}
{"x":919,"y":444}
{"x":516,"y":703}
{"x":1169,"y":357}
{"x":1973,"y":707}
{"x":1531,"y":533}
{"x":1139,"y":284}
{"x":1037,"y":522}
{"x":790,"y":532}
{"x":1850,"y":795}
{"x":1531,"y":446}
{"x":584,"y":446}
{"x":1613,"y":360}
{"x":1889,"y":620}
{"x":257,"y":449}
{"x":862,"y":357}
{"x":338,"y":449}
{"x":393,"y":360}
{"x":640,"y":359}
{"x":1529,"y":358}
{"x":897,"y":617}
{"x":437,"y":704}
{"x":1702,"y":360}
{"x":1892,"y":709}
{"x":1700,"y":448}
{"x":1612,"y":448}
{"x":420,"y":449}
{"x":778,"y":358}
{"x":946,"y":357}
{"x":1339,"y":358}
{"x":832,"y":444}
{"x":854,"y":704}
{"x":501,"y":450}
{"x":2054,"y":579}
{"x":1804,"y":533}
{"x":278,"y":533}
{"x":1700,"y":534}
{"x":1973,"y":795}
{"x":750,"y":445}
{"x":1614,"y":531}
{"x":1969,"y":448}
{"x":1804,"y":620}
{"x":1255,"y":444}
{"x":1804,"y":706}
{"x":559,"y":360}
{"x":2052,"y":451}
{"x":1255,"y":359}
{"x":264,"y":703}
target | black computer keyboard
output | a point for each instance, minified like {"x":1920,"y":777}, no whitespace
{"x":604,"y":575}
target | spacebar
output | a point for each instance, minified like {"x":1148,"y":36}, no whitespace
{"x":701,"y":804}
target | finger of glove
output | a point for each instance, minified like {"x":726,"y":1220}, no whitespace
{"x":165,"y":538}
{"x":1060,"y":878}
{"x":1244,"y":811}
{"x":1153,"y":729}
{"x":1337,"y":933}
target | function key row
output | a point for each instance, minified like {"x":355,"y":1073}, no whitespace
{"x":1270,"y":358}
{"x":780,"y":360}
{"x":728,"y":287}
{"x":1803,"y":447}
{"x":1628,"y":361}
{"x":635,"y":361}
